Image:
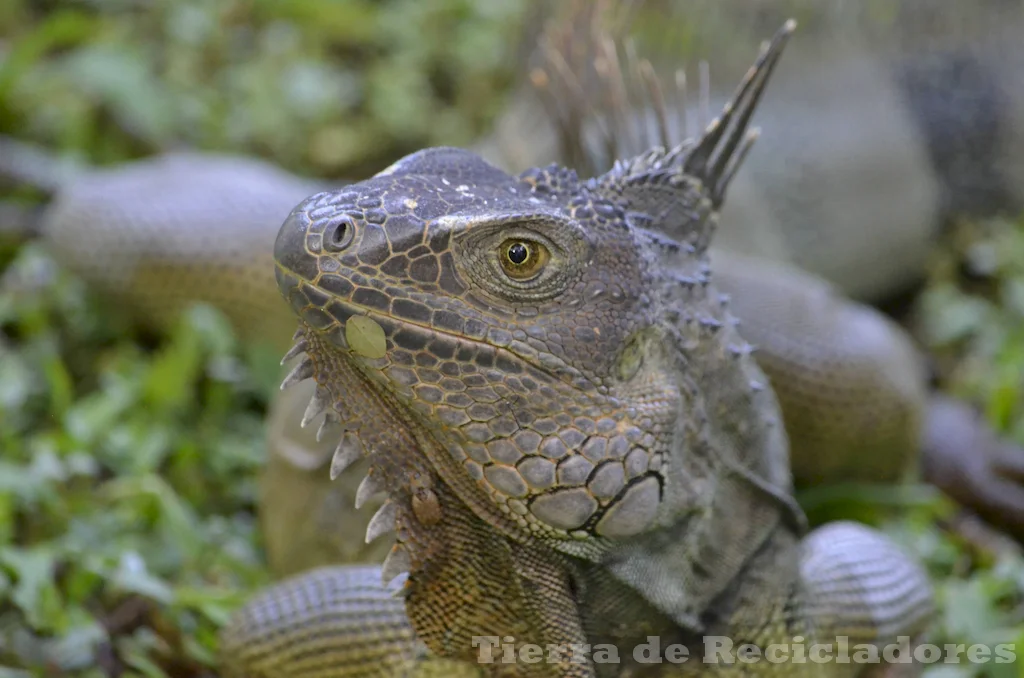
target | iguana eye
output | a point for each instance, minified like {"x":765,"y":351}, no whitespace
{"x":522,"y":259}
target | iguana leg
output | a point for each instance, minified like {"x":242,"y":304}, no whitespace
{"x":801,"y":602}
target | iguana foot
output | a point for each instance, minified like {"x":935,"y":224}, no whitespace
{"x":964,"y":458}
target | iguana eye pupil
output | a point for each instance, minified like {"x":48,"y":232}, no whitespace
{"x":518,"y":253}
{"x":522,"y":260}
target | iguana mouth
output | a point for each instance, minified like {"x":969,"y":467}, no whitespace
{"x":372,"y":334}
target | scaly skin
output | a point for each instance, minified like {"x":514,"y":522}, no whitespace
{"x":873,"y":135}
{"x":575,"y":442}
{"x":852,"y":388}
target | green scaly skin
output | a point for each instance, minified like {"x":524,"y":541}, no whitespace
{"x":574,"y":441}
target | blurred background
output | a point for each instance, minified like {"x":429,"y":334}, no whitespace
{"x":129,"y":456}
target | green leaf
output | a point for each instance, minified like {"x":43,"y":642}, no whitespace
{"x":122,"y":76}
{"x":132,"y":576}
{"x":35,"y":592}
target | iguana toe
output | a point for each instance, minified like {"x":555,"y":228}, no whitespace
{"x":962,"y":457}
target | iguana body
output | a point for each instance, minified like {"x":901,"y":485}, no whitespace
{"x":575,"y":442}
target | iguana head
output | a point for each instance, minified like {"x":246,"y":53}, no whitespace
{"x":523,"y":328}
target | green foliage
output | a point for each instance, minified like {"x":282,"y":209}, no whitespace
{"x":973,"y":318}
{"x":127,"y":482}
{"x":330,"y":88}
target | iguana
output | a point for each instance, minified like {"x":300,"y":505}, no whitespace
{"x":106,"y":198}
{"x":576,"y":445}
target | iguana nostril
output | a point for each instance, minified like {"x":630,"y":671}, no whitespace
{"x":339,"y":234}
